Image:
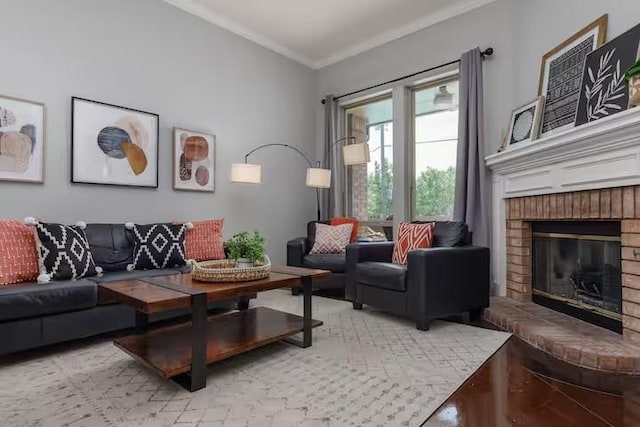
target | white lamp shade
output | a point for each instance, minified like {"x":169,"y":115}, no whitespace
{"x":355,"y":154}
{"x":318,"y":178}
{"x":246,"y":173}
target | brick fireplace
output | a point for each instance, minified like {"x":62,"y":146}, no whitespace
{"x":619,"y":204}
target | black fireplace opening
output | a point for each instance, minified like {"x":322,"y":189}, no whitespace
{"x":577,"y":270}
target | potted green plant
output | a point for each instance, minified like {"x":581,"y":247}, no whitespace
{"x":247,"y":248}
{"x":633,"y":80}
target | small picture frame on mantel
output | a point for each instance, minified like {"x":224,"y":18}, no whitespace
{"x":525,"y":122}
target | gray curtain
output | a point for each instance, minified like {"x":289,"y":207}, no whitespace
{"x":473,"y":187}
{"x":333,"y":200}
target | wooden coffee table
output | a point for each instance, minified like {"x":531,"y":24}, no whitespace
{"x":181,"y":352}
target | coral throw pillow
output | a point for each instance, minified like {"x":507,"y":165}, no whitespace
{"x":411,"y":237}
{"x":331,"y":239}
{"x":345,"y":220}
{"x":204,"y":241}
{"x":18,"y":253}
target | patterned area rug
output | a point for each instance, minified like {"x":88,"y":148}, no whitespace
{"x":365,"y":368}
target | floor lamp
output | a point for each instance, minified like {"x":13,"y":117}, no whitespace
{"x":248,"y":173}
{"x":317,"y":177}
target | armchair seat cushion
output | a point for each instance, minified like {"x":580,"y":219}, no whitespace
{"x":383,"y":275}
{"x":336,"y":263}
{"x":30,"y":299}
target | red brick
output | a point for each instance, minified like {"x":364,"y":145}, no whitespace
{"x":631,"y":309}
{"x":546,"y":206}
{"x":629,"y":322}
{"x":628,"y":202}
{"x":558,"y":350}
{"x":594,"y":204}
{"x":584,"y":205}
{"x":553,"y":206}
{"x":589,"y":360}
{"x":629,"y":253}
{"x":625,"y":364}
{"x":576,"y":205}
{"x":527,"y":207}
{"x":637,"y":215}
{"x":631,"y":281}
{"x":539,"y":214}
{"x":631,"y":267}
{"x":572,"y":355}
{"x":631,"y":239}
{"x":616,"y":203}
{"x":630,"y":225}
{"x":519,"y":269}
{"x":631,"y":295}
{"x":631,"y":336}
{"x":608,"y":363}
{"x":605,"y":203}
{"x":568,"y":205}
{"x":513,"y":250}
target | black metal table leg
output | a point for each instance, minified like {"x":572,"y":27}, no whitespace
{"x":307,"y":322}
{"x":196,"y":379}
{"x":142,"y":322}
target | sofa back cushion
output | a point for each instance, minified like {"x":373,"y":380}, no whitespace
{"x":18,"y":253}
{"x":111,"y":245}
{"x":447,"y":234}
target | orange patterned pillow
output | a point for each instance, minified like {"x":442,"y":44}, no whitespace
{"x":204,"y":241}
{"x":18,"y":253}
{"x":411,"y":237}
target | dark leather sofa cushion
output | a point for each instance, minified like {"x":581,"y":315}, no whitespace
{"x":383,"y":275}
{"x":336,"y":263}
{"x":32,"y":299}
{"x":450,"y":234}
{"x":115,"y":276}
{"x":111,"y":245}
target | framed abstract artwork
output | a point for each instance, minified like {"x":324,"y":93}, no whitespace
{"x":194,"y":160}
{"x":22,"y":139}
{"x":604,"y":91}
{"x":113,"y":145}
{"x":561,"y":74}
{"x":525,"y":122}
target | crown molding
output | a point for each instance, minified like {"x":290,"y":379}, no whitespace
{"x":389,"y":36}
{"x":193,"y":7}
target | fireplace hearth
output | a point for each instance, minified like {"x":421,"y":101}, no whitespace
{"x":576,"y":269}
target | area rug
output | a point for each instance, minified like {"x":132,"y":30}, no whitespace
{"x":365,"y":368}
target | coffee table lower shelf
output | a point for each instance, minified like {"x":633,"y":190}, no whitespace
{"x":167,"y":351}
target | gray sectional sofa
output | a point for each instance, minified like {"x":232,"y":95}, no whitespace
{"x":34,"y":315}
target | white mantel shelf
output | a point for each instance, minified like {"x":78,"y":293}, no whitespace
{"x":602,"y":154}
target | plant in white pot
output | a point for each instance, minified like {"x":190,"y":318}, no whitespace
{"x":247,"y":248}
{"x":633,"y":80}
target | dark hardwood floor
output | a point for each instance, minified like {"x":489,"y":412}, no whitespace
{"x":522,"y":386}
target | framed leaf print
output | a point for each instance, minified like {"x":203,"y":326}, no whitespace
{"x":561,"y":74}
{"x":603,"y":91}
{"x":193,"y":161}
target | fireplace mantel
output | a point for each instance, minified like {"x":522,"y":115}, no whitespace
{"x":599,"y":155}
{"x":602,"y":154}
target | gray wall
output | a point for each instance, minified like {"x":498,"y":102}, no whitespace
{"x":521,"y":31}
{"x":148,"y":55}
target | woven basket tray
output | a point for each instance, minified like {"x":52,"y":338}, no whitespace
{"x":225,"y":270}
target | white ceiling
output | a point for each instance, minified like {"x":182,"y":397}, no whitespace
{"x":319,"y":33}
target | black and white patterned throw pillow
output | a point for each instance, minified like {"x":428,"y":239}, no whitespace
{"x":63,"y":251}
{"x":158,"y":246}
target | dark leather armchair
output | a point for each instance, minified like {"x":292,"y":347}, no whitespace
{"x":298,"y":256}
{"x":452,"y":277}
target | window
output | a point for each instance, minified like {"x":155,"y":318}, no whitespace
{"x":435,"y":108}
{"x":370,"y":187}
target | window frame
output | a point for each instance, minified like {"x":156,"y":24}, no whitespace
{"x":411,"y":140}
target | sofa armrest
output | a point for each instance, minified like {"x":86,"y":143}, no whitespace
{"x":364,"y":252}
{"x":443,"y":281}
{"x":297,"y":249}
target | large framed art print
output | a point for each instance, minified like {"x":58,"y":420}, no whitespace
{"x":113,"y":145}
{"x":561,"y":75}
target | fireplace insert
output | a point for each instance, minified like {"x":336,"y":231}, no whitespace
{"x":577,"y":270}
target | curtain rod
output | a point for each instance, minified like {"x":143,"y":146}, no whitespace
{"x":487,"y":52}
